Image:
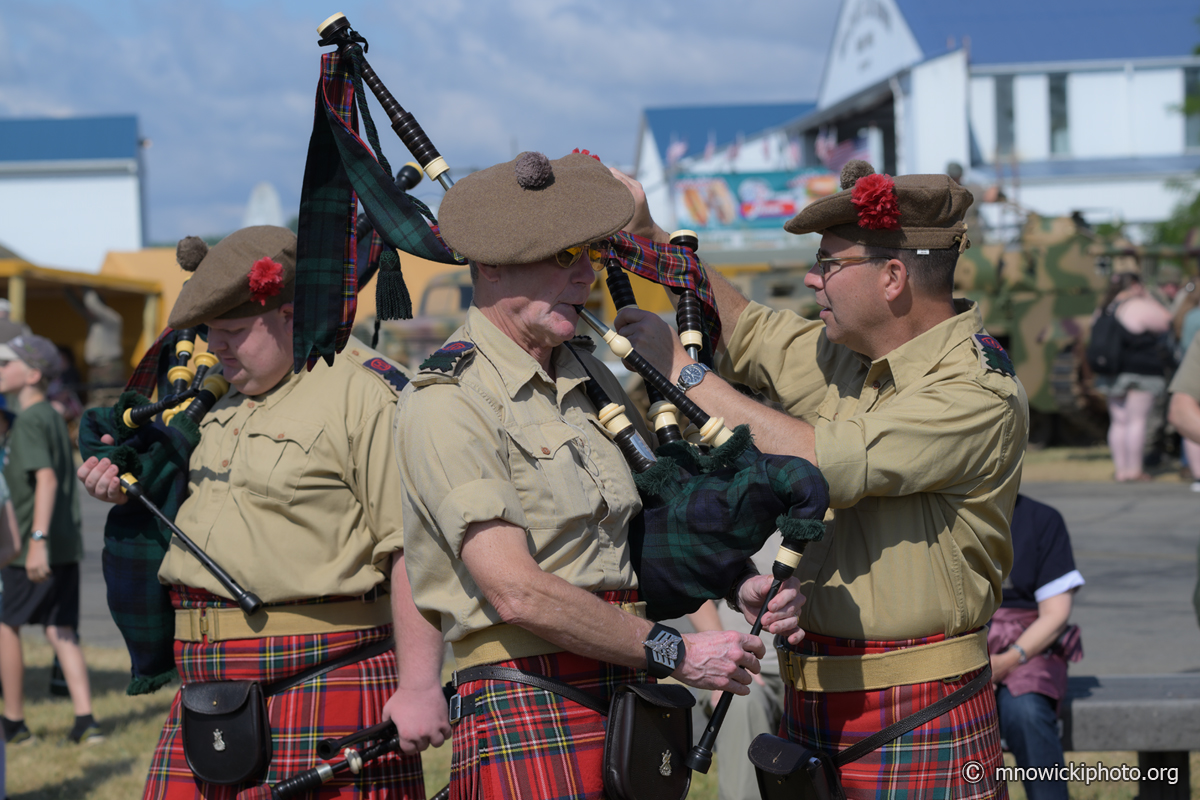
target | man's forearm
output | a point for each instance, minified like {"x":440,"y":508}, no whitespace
{"x":1184,"y":414}
{"x":546,"y":605}
{"x":774,"y":431}
{"x":419,"y":645}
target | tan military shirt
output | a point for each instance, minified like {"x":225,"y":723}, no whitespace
{"x":295,"y":492}
{"x":922,"y":449}
{"x":497,"y":438}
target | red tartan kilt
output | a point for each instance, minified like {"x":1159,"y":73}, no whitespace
{"x":332,"y":705}
{"x":928,"y":761}
{"x":527,"y":744}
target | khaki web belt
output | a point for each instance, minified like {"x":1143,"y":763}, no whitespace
{"x":221,"y":624}
{"x":917,"y":664}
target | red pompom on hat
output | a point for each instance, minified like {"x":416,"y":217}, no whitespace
{"x":266,"y":280}
{"x":875,"y":198}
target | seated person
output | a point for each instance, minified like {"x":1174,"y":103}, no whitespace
{"x":1028,"y":649}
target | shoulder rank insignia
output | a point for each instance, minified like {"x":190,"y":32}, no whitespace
{"x":395,"y":377}
{"x":583,"y":342}
{"x":992,"y":357}
{"x":447,"y":359}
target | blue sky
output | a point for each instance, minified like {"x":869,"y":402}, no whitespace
{"x":225,"y":91}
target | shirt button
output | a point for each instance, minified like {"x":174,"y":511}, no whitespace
{"x":280,"y":436}
{"x":235,"y":431}
{"x":250,"y":404}
{"x":225,"y":463}
{"x":545,"y":451}
{"x":875,"y":385}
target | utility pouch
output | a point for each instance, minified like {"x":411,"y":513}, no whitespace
{"x":226,"y":732}
{"x":649,"y":735}
{"x":788,"y":771}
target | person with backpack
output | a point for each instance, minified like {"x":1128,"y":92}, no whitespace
{"x":1128,"y":355}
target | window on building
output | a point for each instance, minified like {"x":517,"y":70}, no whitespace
{"x":1060,"y":134}
{"x":1191,"y":98}
{"x":1004,"y":115}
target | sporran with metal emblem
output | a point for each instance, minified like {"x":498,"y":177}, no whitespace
{"x":226,"y":731}
{"x":649,"y":735}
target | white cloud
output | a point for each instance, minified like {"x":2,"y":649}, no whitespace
{"x":226,"y":94}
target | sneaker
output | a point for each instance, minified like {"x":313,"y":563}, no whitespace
{"x":90,"y":735}
{"x":16,"y":732}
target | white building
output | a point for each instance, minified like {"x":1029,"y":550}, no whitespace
{"x":71,"y":189}
{"x":1068,"y":106}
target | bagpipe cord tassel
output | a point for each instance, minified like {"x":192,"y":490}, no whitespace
{"x":392,"y":300}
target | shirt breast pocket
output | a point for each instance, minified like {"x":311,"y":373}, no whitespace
{"x":277,"y":457}
{"x":551,"y":479}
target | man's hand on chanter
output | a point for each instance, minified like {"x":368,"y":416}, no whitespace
{"x":783,"y":612}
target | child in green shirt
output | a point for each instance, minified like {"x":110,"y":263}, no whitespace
{"x":41,"y":586}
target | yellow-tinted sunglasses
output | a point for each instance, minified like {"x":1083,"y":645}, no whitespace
{"x":596,"y":251}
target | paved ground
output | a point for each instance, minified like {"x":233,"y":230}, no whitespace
{"x":1134,"y":543}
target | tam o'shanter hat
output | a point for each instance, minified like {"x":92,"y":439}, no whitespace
{"x":909,"y":212}
{"x":530,"y":208}
{"x":249,"y":272}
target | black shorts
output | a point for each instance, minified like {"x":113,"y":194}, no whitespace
{"x":54,"y":601}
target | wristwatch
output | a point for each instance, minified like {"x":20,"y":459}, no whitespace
{"x":38,"y":536}
{"x":664,"y":651}
{"x":691,"y":375}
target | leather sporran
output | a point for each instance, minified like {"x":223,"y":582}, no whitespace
{"x":649,"y":735}
{"x":226,"y":731}
{"x":788,"y":771}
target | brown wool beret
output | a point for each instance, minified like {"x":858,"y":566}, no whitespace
{"x":530,"y":208}
{"x":229,"y":282}
{"x":909,"y":212}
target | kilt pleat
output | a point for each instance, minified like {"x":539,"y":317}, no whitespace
{"x":926,"y":762}
{"x":524,"y":743}
{"x":332,"y":705}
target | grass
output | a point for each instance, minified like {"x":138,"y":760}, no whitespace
{"x":115,"y":769}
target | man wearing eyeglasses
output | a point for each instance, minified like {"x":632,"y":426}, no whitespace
{"x":517,"y":503}
{"x":914,"y":416}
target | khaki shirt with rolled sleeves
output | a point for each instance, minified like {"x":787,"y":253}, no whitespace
{"x":922,"y":449}
{"x":295,"y":492}
{"x":497,"y":439}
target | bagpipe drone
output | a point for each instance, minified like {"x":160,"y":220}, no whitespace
{"x":706,"y":509}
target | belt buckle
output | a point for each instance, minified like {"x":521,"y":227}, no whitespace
{"x":455,"y":708}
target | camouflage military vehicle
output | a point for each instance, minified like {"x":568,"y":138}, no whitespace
{"x":1037,"y":297}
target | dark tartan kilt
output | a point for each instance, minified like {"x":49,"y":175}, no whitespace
{"x":925,"y":763}
{"x":524,"y":743}
{"x":332,"y":705}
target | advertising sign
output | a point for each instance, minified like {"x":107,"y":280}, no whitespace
{"x":747,"y":200}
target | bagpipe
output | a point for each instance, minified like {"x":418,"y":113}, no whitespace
{"x":151,"y":445}
{"x":354,"y":757}
{"x":707,"y":508}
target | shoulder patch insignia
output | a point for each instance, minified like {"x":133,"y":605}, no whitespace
{"x":447,"y":359}
{"x":395,"y":377}
{"x":583,"y":342}
{"x":992,"y":357}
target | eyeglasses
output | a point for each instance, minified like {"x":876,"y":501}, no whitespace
{"x":822,"y":263}
{"x":595,"y":250}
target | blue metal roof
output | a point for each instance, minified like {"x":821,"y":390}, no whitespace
{"x":76,"y":138}
{"x":1028,"y":31}
{"x":694,"y":124}
{"x":1181,"y":165}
